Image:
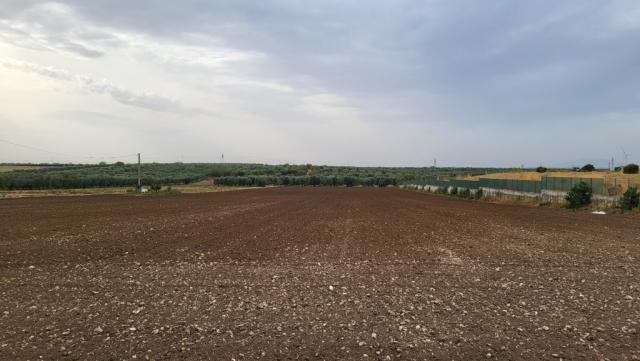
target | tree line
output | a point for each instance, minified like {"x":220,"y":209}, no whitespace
{"x":119,"y":174}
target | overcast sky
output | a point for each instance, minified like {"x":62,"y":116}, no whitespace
{"x":499,"y":83}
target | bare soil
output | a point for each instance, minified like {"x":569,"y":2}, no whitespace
{"x":314,"y":274}
{"x":189,"y":188}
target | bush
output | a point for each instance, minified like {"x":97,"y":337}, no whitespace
{"x":349,"y":181}
{"x":630,"y":199}
{"x":630,"y":169}
{"x":156,"y":187}
{"x":454,"y":191}
{"x":441,"y":190}
{"x":315,"y":181}
{"x":579,"y":195}
{"x":541,"y":169}
{"x":465,"y":193}
{"x":216,"y":172}
{"x":588,"y":168}
{"x":478,"y":194}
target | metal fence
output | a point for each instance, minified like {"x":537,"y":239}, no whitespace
{"x":618,"y":185}
{"x":512,"y":184}
{"x":563,"y":184}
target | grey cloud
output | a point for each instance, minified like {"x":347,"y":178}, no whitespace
{"x":456,"y":64}
{"x":142,"y":100}
{"x":475,"y":53}
{"x":52,"y":27}
{"x":78,"y":49}
{"x":24,"y":39}
{"x":47,"y":71}
{"x":122,"y":95}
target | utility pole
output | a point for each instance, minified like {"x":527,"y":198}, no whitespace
{"x":139,"y":174}
{"x":434,"y":163}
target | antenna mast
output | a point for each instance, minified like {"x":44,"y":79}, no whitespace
{"x":139,"y":174}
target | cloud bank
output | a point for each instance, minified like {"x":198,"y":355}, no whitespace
{"x":398,"y":83}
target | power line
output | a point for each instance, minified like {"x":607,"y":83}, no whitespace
{"x":66,"y":154}
{"x":30,"y":147}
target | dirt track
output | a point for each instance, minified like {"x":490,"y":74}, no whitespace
{"x":314,"y":273}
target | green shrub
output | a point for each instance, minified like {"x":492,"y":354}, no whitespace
{"x":541,"y":169}
{"x":478,"y":194}
{"x":579,"y":195}
{"x":465,"y":193}
{"x":216,"y":172}
{"x":630,"y":169}
{"x":156,"y":187}
{"x":454,"y":191}
{"x":630,"y":199}
{"x":588,"y":168}
{"x":441,"y":190}
{"x":349,"y":181}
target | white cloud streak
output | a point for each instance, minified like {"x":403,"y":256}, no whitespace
{"x":145,"y":100}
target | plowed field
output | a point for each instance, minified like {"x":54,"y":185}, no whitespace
{"x":314,"y":273}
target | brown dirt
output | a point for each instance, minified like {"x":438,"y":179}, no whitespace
{"x":314,"y":273}
{"x":190,"y":188}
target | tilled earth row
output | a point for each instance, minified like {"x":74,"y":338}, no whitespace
{"x":314,"y":274}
